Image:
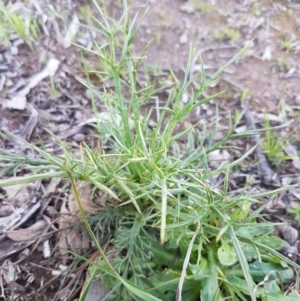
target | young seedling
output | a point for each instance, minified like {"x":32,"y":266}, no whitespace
{"x":288,"y":44}
{"x":272,"y":145}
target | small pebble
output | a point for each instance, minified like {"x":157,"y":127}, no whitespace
{"x":6,"y":210}
{"x":187,"y":8}
{"x":267,"y":55}
{"x":79,"y":137}
{"x":78,"y":115}
{"x":288,"y":250}
{"x":14,"y":50}
{"x":289,"y":234}
{"x":62,"y":74}
{"x":183,"y":38}
{"x":8,"y":83}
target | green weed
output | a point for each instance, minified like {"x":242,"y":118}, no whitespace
{"x":54,"y":90}
{"x":288,"y":44}
{"x":25,"y":28}
{"x":295,"y":213}
{"x":227,"y":33}
{"x":274,"y":146}
{"x":283,"y":63}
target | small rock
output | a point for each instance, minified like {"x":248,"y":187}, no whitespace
{"x":218,"y":158}
{"x":187,"y":8}
{"x":79,"y":137}
{"x":187,"y":25}
{"x":51,"y":126}
{"x":63,"y":267}
{"x":11,"y":74}
{"x":84,"y":101}
{"x":14,"y":50}
{"x":78,"y":115}
{"x":62,"y":74}
{"x":267,"y":55}
{"x":183,"y":38}
{"x":62,"y":127}
{"x":8,"y":83}
{"x":6,"y":210}
{"x":97,"y":291}
{"x":289,"y":234}
{"x":288,"y":250}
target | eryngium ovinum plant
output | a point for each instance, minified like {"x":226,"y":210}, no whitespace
{"x":171,"y":235}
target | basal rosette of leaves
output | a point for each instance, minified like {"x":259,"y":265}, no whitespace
{"x":214,"y":271}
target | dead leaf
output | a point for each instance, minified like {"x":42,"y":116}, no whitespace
{"x":72,"y":30}
{"x":218,"y":158}
{"x":292,"y":152}
{"x":31,"y":232}
{"x":10,"y":247}
{"x":267,"y":55}
{"x":18,"y":100}
{"x":97,"y":291}
{"x":31,"y":123}
{"x":73,"y":235}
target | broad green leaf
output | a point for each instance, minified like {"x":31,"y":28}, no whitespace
{"x":199,"y":271}
{"x":238,"y":283}
{"x":294,"y":294}
{"x":168,"y":281}
{"x":259,"y":270}
{"x":226,"y":254}
{"x":254,"y":231}
{"x":249,"y":251}
{"x":209,"y":284}
{"x":269,"y":291}
{"x":138,"y":292}
{"x":277,"y":254}
{"x":192,"y":294}
{"x":182,"y":242}
{"x":242,"y":212}
{"x":165,"y":257}
{"x":282,"y":298}
{"x":273,"y":242}
{"x":221,"y":233}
